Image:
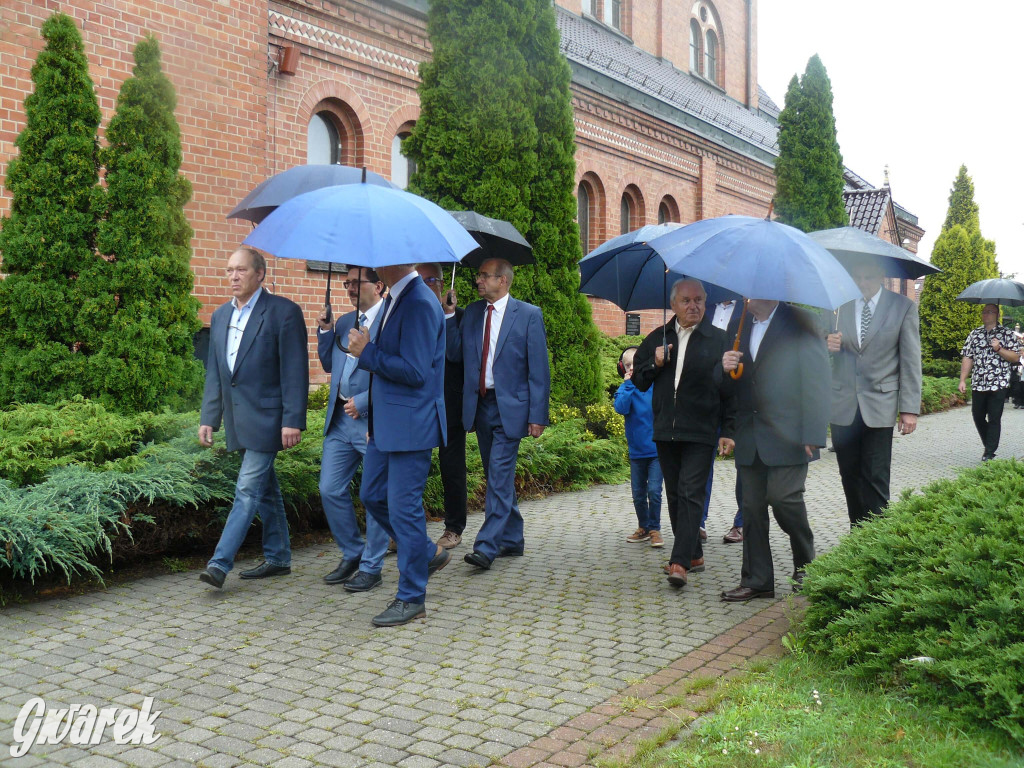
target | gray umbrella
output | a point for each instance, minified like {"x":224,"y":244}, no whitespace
{"x":852,"y":246}
{"x":498,"y":240}
{"x":999,"y":290}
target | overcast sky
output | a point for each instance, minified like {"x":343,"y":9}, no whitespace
{"x":923,"y":87}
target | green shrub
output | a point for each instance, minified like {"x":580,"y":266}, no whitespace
{"x":938,"y":576}
{"x":940,"y":394}
{"x":604,"y":422}
{"x":318,"y":397}
{"x":941,"y":368}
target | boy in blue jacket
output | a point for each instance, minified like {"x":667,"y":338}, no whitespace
{"x":644,"y":469}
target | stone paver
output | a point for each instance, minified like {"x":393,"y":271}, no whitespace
{"x":530,"y":663}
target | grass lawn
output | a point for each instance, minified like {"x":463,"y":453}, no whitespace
{"x":795,"y":713}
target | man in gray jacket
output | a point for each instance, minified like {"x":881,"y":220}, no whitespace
{"x":876,"y":379}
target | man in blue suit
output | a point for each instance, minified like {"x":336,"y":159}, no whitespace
{"x":257,"y":382}
{"x":348,"y":405}
{"x":406,"y":421}
{"x":507,"y":383}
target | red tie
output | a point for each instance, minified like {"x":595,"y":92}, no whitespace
{"x":487,"y":349}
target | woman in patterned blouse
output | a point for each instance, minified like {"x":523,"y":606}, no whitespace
{"x":989,"y":352}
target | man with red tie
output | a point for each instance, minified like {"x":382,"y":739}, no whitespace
{"x":507,"y":383}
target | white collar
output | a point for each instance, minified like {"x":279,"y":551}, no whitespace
{"x":250,"y":303}
{"x":500,"y":304}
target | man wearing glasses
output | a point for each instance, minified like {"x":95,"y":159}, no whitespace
{"x":452,"y":456}
{"x":506,"y":384}
{"x":257,"y":382}
{"x":345,"y":429}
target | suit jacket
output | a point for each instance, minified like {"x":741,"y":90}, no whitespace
{"x":407,"y":362}
{"x":454,"y":375}
{"x":882,"y":378}
{"x":782,"y":398}
{"x":269,"y":387}
{"x":703,"y":402}
{"x":333,"y":360}
{"x":522,"y":374}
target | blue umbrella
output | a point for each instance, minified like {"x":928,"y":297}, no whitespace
{"x":363,"y":225}
{"x":759,"y":259}
{"x":631,"y":274}
{"x":853,"y":246}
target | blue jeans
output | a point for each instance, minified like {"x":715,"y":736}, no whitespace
{"x":256,"y":492}
{"x":341,"y":459}
{"x":645,"y":478}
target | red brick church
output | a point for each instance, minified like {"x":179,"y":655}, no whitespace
{"x":671,"y":124}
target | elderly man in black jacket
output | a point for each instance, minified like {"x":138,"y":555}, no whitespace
{"x":692,"y":402}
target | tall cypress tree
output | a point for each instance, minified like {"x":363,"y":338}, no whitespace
{"x":553,"y":284}
{"x":495,"y":135}
{"x":964,"y":256}
{"x":49,"y":236}
{"x":140,"y":313}
{"x":809,"y":169}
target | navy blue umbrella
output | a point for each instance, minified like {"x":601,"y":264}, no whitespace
{"x":631,"y":274}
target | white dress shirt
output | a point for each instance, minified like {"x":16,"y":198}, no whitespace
{"x":859,"y":310}
{"x":236,"y":327}
{"x":757,"y":332}
{"x":723,"y":314}
{"x":395,"y":291}
{"x":683,"y":339}
{"x":496,"y":317}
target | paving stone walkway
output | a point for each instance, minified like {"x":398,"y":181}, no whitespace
{"x":290,"y":673}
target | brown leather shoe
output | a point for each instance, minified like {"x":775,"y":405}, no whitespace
{"x":449,"y":539}
{"x":734,"y":536}
{"x":743,"y":594}
{"x":676,"y":575}
{"x":697,"y":566}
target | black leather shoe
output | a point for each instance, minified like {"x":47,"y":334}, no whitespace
{"x":213,"y":576}
{"x":743,"y":594}
{"x":511,"y":551}
{"x":798,"y":580}
{"x":440,"y":559}
{"x":263,"y":570}
{"x":362,"y":582}
{"x":477,"y":559}
{"x":399,"y":612}
{"x":346,"y":570}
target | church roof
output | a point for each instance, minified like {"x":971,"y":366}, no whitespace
{"x":867,"y":208}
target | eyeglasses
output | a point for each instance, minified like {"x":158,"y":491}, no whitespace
{"x":431,"y":280}
{"x":349,"y":283}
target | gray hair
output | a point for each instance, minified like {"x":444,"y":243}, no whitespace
{"x":432,"y":266}
{"x":683,"y":281}
{"x":256,"y":259}
{"x":503,"y":268}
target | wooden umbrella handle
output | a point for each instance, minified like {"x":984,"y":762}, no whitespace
{"x":736,"y":342}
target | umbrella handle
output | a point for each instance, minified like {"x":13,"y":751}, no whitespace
{"x":327,"y":298}
{"x":736,"y":342}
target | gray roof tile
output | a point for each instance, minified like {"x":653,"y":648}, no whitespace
{"x":867,"y":208}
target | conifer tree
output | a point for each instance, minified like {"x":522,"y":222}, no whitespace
{"x":495,"y":135}
{"x":49,"y":236}
{"x":140,"y":311}
{"x":809,"y":169}
{"x":964,"y":256}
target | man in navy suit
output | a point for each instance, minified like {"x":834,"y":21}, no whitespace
{"x":507,"y":383}
{"x":782,"y":415}
{"x":257,"y":382}
{"x":406,"y":421}
{"x":348,"y":405}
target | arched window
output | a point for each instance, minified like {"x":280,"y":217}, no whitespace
{"x":323,"y":143}
{"x":402,"y":168}
{"x":711,"y":57}
{"x":663,"y":214}
{"x":695,"y":46}
{"x":583,"y":215}
{"x":668,"y":210}
{"x":626,"y":214}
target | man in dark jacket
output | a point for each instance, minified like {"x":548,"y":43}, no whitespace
{"x":692,"y":402}
{"x":782,"y":410}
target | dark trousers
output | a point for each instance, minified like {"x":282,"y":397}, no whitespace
{"x":987,"y":409}
{"x":452,"y":458}
{"x":685,"y":467}
{"x":864,"y":454}
{"x":783,"y":489}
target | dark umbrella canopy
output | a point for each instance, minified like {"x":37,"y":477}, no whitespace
{"x":852,"y":246}
{"x":1000,"y":290}
{"x":629,"y":273}
{"x":498,"y":239}
{"x":282,"y":187}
